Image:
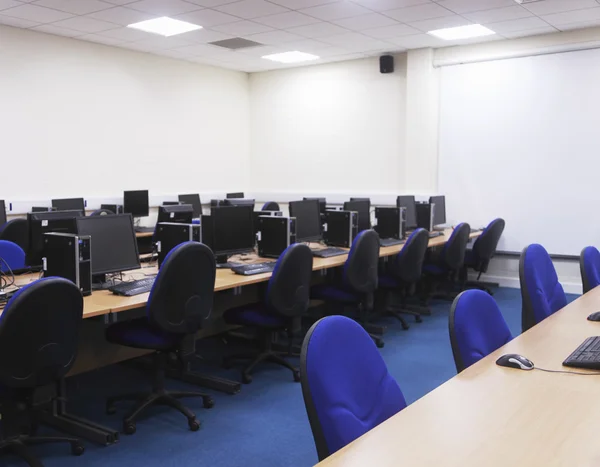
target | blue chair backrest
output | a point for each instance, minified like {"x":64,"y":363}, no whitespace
{"x":477,"y":328}
{"x":288,"y":291}
{"x":181,"y":298}
{"x":453,"y":252}
{"x":270,"y":206}
{"x":360,"y":270}
{"x":589,"y":264}
{"x":408,"y":264}
{"x":541,"y":292}
{"x":11,"y":256}
{"x":16,"y":231}
{"x":485,"y":245}
{"x":346,"y":385}
{"x":39,"y":333}
{"x":102,"y":212}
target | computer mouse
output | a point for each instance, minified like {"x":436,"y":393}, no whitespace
{"x":513,"y":360}
{"x":594,"y":316}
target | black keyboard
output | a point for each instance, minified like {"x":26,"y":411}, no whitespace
{"x":391,"y":241}
{"x":329,"y":252}
{"x":256,"y":268}
{"x":129,"y":289}
{"x":587,"y":355}
{"x":435,"y":234}
{"x":144,"y":229}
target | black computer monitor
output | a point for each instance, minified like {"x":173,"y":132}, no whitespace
{"x":363,"y":208}
{"x":408,"y":202}
{"x":2,"y":212}
{"x":322,"y":203}
{"x":238,"y":202}
{"x":171,"y":203}
{"x":194,"y":200}
{"x":361,"y":199}
{"x":308,"y":220}
{"x":114,"y":246}
{"x":181,"y":213}
{"x":42,"y":209}
{"x":40,"y":223}
{"x":69,"y":204}
{"x":233,"y":231}
{"x":136,"y":203}
{"x":439,"y":210}
{"x":239,"y":194}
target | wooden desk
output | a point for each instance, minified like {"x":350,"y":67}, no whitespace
{"x":492,"y":416}
{"x":144,"y":234}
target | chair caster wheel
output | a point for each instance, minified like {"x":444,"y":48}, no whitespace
{"x":418,"y":319}
{"x":405,"y":326}
{"x":193,"y":424}
{"x":208,"y":402}
{"x":111,"y":409}
{"x":379,"y":343}
{"x":129,"y":428}
{"x":77,"y":449}
{"x":297,"y":376}
{"x":246,"y":378}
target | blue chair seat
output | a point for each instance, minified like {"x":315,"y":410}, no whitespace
{"x":388,"y":282}
{"x":253,"y":315}
{"x":331,"y":292}
{"x":139,"y":333}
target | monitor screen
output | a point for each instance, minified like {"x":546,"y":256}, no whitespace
{"x":233,"y":229}
{"x":2,"y":212}
{"x":136,"y":203}
{"x":194,"y":200}
{"x":439,"y":211}
{"x":114,"y":246}
{"x":234,"y":195}
{"x":171,"y":203}
{"x":40,"y":223}
{"x":42,"y":209}
{"x":363,"y":208}
{"x":238,"y":202}
{"x":408,"y":202}
{"x":69,"y":204}
{"x":322,"y":203}
{"x":181,"y":213}
{"x":308,"y":220}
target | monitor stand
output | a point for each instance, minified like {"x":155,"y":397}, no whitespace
{"x":99,"y":282}
{"x":222,"y":262}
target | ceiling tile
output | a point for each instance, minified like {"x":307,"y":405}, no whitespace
{"x":287,"y":20}
{"x":440,"y":23}
{"x":37,"y":14}
{"x":125,"y":34}
{"x":548,"y":7}
{"x":318,"y":30}
{"x":121,"y":15}
{"x":418,"y":13}
{"x":100,"y":39}
{"x":468,"y":6}
{"x":210,"y":3}
{"x":201,"y":49}
{"x":518,"y":25}
{"x":76,"y":7}
{"x":17,"y":22}
{"x":371,"y":20}
{"x":417,"y":41}
{"x":120,"y":2}
{"x":383,"y":5}
{"x":51,"y":29}
{"x":203,"y":36}
{"x":164,"y":7}
{"x":312,"y":47}
{"x":391,"y":31}
{"x":337,"y":10}
{"x":579,"y":25}
{"x":298,"y":4}
{"x":85,"y":24}
{"x":260,"y":51}
{"x":242,"y":28}
{"x":273,"y":37}
{"x":356,"y":42}
{"x":160,"y":42}
{"x":5,"y":4}
{"x":530,"y":32}
{"x":575,"y":16}
{"x":208,"y":18}
{"x":498,"y":14}
{"x":249,"y":9}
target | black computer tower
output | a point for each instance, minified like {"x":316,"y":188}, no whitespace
{"x":170,"y":234}
{"x":391,"y":222}
{"x":115,"y":208}
{"x":274,"y":235}
{"x":425,"y":216}
{"x":340,"y":228}
{"x":69,"y":256}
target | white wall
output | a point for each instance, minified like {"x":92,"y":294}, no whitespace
{"x":346,"y":119}
{"x":83,"y":119}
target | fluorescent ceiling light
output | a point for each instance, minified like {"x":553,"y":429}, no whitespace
{"x":291,"y":57}
{"x":462,"y":32}
{"x":165,"y":26}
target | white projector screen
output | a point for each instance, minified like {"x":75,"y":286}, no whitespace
{"x":520,"y":139}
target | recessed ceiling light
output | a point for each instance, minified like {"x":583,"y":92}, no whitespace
{"x":462,"y":32}
{"x":291,"y":57}
{"x":165,"y":26}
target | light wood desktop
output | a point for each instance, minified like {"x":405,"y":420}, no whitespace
{"x":144,"y":234}
{"x":495,"y":417}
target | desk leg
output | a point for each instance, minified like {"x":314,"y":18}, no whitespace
{"x":77,"y":426}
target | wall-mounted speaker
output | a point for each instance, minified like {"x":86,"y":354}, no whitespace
{"x":386,"y":64}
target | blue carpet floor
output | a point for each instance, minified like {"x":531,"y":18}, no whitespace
{"x":264,"y":425}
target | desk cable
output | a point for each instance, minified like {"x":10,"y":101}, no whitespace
{"x":566,"y":372}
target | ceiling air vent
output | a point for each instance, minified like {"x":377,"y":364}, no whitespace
{"x":236,"y":43}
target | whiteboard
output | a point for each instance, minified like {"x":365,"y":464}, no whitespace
{"x":520,"y":139}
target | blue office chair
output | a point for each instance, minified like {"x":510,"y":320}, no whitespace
{"x":589,"y":264}
{"x":102,"y":212}
{"x":478,"y":258}
{"x":179,"y":305}
{"x":541,"y":293}
{"x":346,"y":385}
{"x":12,"y":256}
{"x":286,"y":300}
{"x":404,"y":272}
{"x":270,"y":206}
{"x":39,"y":334}
{"x":358,"y":283}
{"x":477,"y":328}
{"x":16,"y":231}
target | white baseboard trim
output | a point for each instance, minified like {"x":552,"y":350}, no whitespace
{"x":514,"y":283}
